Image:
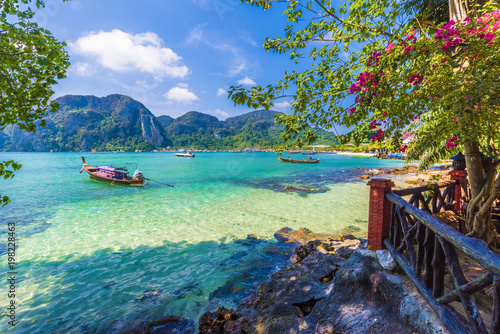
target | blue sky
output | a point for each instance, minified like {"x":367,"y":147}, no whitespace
{"x":172,"y":55}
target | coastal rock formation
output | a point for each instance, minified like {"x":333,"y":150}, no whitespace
{"x":88,"y":122}
{"x":334,"y":286}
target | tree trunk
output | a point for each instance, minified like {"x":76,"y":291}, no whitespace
{"x":475,"y":170}
{"x":458,"y":10}
{"x":485,"y":188}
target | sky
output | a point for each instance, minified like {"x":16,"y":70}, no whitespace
{"x":173,"y":56}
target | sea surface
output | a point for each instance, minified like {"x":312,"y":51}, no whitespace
{"x":93,"y":257}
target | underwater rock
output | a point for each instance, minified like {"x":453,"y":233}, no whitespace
{"x":168,"y":325}
{"x":149,"y":295}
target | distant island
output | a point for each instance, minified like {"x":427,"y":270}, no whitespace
{"x":118,"y":122}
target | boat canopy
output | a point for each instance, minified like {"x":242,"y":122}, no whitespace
{"x":111,"y":168}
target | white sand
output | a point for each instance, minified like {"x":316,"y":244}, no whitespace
{"x":361,"y":154}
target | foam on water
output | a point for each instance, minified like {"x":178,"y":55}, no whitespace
{"x":94,"y":257}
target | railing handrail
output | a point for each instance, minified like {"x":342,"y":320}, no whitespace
{"x":476,"y":249}
{"x":411,"y":191}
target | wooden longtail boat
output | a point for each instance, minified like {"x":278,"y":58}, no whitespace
{"x":113,"y":175}
{"x":294,"y":161}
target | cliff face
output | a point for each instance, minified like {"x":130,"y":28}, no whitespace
{"x":88,"y":122}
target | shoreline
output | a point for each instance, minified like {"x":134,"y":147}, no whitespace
{"x":360,"y":154}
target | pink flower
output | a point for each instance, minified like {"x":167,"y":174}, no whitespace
{"x":389,"y":48}
{"x":456,"y":119}
{"x":478,"y":106}
{"x":374,"y":124}
{"x":407,"y":135}
{"x":403,"y":149}
{"x":416,"y":79}
{"x":452,"y":142}
{"x":449,"y":24}
{"x":408,"y":49}
{"x":378,"y":136}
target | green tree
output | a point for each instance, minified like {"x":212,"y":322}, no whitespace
{"x":397,"y":67}
{"x":31,"y":62}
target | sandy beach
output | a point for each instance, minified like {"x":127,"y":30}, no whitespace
{"x":360,"y":154}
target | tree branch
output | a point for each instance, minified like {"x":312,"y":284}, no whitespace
{"x":350,"y":23}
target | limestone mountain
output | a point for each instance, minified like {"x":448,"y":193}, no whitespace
{"x":198,"y":130}
{"x":88,"y":122}
{"x":165,"y":120}
{"x":194,"y":122}
{"x":116,"y":122}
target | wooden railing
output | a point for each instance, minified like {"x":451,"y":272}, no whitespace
{"x":430,"y":253}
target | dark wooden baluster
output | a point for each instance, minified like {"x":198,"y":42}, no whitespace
{"x":394,"y":225}
{"x":425,"y":205}
{"x":479,"y":283}
{"x":440,"y":202}
{"x":495,"y":316}
{"x":438,"y":269}
{"x":414,"y":200}
{"x":428,"y":275}
{"x":407,"y":239}
{"x":459,"y":280}
{"x":435,"y":197}
{"x":420,"y":248}
{"x":398,"y":230}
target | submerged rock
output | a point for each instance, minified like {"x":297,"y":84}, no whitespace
{"x":149,"y":295}
{"x":167,"y":325}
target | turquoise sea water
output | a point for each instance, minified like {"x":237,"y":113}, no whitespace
{"x":95,"y":258}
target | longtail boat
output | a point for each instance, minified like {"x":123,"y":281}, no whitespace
{"x":113,"y":175}
{"x":295,"y":161}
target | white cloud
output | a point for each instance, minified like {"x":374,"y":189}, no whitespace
{"x":181,"y":95}
{"x":239,"y":66}
{"x":221,"y":112}
{"x":246,"y":81}
{"x":123,"y":52}
{"x":282,"y":104}
{"x":83,"y":69}
{"x":221,"y":92}
{"x":195,"y":35}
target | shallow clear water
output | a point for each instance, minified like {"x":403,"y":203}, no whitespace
{"x":94,"y":257}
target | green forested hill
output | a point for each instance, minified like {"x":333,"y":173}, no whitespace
{"x":116,"y":122}
{"x":86,"y":122}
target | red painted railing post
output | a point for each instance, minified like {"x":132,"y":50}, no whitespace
{"x":458,"y":175}
{"x":379,"y":219}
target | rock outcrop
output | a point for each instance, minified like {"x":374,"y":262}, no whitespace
{"x":334,"y":286}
